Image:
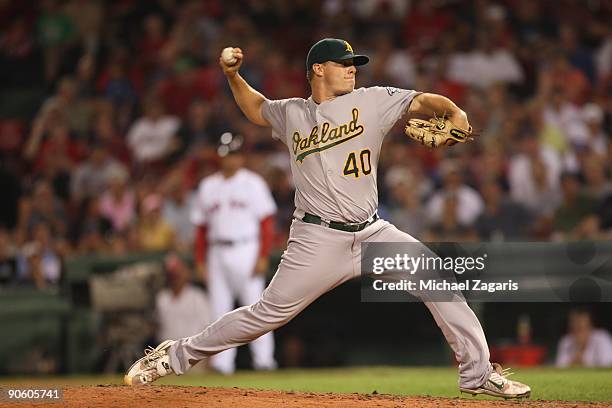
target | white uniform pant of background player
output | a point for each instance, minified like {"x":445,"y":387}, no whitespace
{"x":317,"y":260}
{"x":230,"y":269}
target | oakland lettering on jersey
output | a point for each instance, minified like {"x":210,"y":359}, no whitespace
{"x":328,"y":138}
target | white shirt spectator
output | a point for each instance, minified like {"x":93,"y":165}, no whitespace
{"x":523,"y":187}
{"x":183,"y":315}
{"x":152,"y":140}
{"x":598,"y":352}
{"x":568,"y":119}
{"x":482,"y":69}
{"x":469,"y":205}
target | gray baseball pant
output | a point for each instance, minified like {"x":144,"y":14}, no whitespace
{"x":317,"y":260}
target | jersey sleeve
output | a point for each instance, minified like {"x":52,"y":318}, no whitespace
{"x":275,"y":112}
{"x":392,"y":103}
{"x":263,"y":202}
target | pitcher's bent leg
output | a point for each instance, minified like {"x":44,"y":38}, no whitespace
{"x":457,"y":321}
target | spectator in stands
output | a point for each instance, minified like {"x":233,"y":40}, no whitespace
{"x":62,"y":101}
{"x":485,"y":65}
{"x":196,"y":129}
{"x":465,"y":200}
{"x":584,"y":345}
{"x":85,"y":77}
{"x":91,"y":229}
{"x":175,"y":213}
{"x":57,"y":159}
{"x":588,"y":136}
{"x":91,"y":177}
{"x":406,"y":210}
{"x":559,"y":75}
{"x":560,"y":120}
{"x":534,"y":175}
{"x":492,"y":166}
{"x":76,"y":112}
{"x":50,"y":148}
{"x":155,"y":233}
{"x":126,"y":242}
{"x":153,"y":137}
{"x":497,"y":107}
{"x":176,"y":305}
{"x":118,"y":202}
{"x":425,"y":22}
{"x":88,"y":17}
{"x":392,"y":65}
{"x":56,"y":32}
{"x":598,"y":184}
{"x":188,"y":84}
{"x":577,"y":54}
{"x":532,"y":23}
{"x":450,"y":228}
{"x":575,"y":207}
{"x":119,"y":87}
{"x":41,"y":258}
{"x":42,"y":206}
{"x":152,"y":42}
{"x":502,"y":219}
{"x":106,"y":133}
{"x":412,"y":173}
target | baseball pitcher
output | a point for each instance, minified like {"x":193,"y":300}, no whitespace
{"x":334,"y":139}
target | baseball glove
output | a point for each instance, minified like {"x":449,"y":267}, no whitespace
{"x":437,"y":132}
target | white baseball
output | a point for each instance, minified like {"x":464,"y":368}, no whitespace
{"x":227,"y":56}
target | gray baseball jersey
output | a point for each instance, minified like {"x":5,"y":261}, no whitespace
{"x":334,"y":147}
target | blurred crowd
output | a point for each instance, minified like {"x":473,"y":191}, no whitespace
{"x":134,"y":102}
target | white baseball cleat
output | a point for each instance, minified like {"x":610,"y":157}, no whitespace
{"x":498,"y":385}
{"x":155,"y":364}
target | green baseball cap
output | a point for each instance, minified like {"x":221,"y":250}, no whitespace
{"x":333,"y":49}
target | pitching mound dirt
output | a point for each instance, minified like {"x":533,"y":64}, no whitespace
{"x":172,"y":396}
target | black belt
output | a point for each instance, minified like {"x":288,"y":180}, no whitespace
{"x":227,"y":242}
{"x":342,"y":226}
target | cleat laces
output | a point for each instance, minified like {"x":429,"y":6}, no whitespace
{"x":151,"y":354}
{"x":499,"y":374}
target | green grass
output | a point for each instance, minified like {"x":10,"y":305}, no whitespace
{"x":547,"y":383}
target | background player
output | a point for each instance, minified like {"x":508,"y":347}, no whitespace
{"x":334,"y":139}
{"x":234,"y":212}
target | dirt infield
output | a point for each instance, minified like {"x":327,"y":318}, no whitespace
{"x":173,"y":396}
